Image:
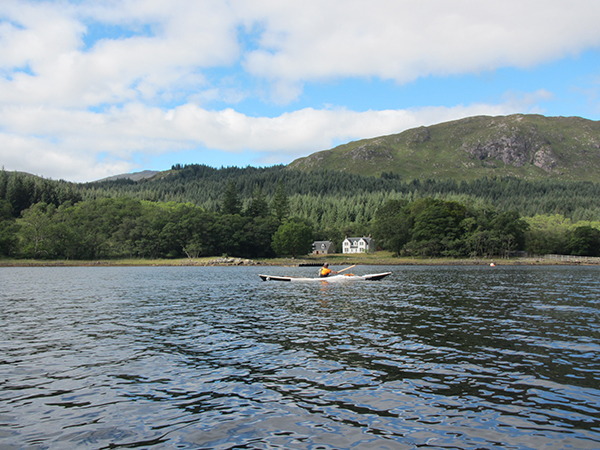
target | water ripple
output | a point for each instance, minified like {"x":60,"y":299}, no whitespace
{"x":432,"y":357}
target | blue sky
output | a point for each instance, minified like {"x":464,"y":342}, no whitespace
{"x":90,"y":89}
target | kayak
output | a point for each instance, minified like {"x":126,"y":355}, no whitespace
{"x":330,"y":279}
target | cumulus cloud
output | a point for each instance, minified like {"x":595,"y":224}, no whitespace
{"x":47,"y":40}
{"x":80,"y":146}
{"x":87,"y":86}
{"x":403,"y":40}
{"x":400,"y":40}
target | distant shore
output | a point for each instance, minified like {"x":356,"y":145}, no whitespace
{"x":380,"y":258}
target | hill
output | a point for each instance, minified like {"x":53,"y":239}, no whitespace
{"x":135,"y":176}
{"x":523,"y":146}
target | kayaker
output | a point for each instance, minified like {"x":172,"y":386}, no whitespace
{"x":326,"y":271}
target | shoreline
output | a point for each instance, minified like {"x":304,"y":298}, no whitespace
{"x":334,"y":260}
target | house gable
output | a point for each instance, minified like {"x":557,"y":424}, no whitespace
{"x":358,"y":245}
{"x":323,"y":247}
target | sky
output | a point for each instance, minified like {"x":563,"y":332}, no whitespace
{"x":90,"y":89}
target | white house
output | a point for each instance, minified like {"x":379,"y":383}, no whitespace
{"x":358,"y":245}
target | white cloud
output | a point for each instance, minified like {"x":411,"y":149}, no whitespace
{"x":300,"y":41}
{"x":80,"y":146}
{"x":79,"y":108}
{"x":402,"y":40}
{"x":43,"y":157}
{"x":48,"y":39}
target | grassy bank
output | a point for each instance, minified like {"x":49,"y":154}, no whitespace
{"x":386,"y":258}
{"x":379,"y":258}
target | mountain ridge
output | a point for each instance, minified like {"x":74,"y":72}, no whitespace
{"x":134,"y":176}
{"x":526,"y":146}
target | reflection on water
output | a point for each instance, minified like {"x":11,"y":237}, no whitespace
{"x":431,"y":357}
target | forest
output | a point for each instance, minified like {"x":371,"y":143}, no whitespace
{"x":197,"y":210}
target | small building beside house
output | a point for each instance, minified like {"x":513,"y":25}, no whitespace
{"x":358,"y":245}
{"x":323,"y":247}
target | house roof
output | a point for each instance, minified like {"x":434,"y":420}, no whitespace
{"x":322,"y":244}
{"x":354,"y":240}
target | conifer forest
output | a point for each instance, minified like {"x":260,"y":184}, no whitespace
{"x":196,"y":210}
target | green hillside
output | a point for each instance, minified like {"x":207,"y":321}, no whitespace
{"x":524,"y":146}
{"x":419,"y":208}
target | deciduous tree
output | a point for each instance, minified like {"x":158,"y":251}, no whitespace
{"x":293,"y":238}
{"x":585,"y":241}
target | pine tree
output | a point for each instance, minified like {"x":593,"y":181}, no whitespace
{"x":231,"y":203}
{"x":3,"y":183}
{"x":280,"y":204}
{"x":258,"y":205}
{"x":18,"y":193}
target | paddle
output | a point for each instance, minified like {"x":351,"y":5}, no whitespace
{"x":340,"y":271}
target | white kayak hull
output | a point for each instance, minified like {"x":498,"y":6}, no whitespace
{"x":329,"y":279}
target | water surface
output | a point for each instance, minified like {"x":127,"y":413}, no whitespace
{"x":207,"y":357}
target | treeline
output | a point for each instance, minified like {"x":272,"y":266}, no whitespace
{"x":203,"y":186}
{"x":110,"y":228}
{"x":313,"y":194}
{"x":22,"y":191}
{"x":132,"y":228}
{"x":42,"y":218}
{"x":430,"y":227}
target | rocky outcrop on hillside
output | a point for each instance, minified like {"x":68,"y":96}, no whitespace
{"x":520,"y":145}
{"x":414,"y":137}
{"x":515,"y":142}
{"x":514,"y":150}
{"x":378,"y":149}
